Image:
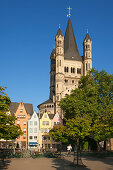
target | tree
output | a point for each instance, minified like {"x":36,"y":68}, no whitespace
{"x":8,"y":129}
{"x":94,"y":98}
{"x":58,"y":134}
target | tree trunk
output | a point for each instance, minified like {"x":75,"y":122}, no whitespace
{"x":76,"y":157}
{"x":98,"y":147}
{"x":77,"y":150}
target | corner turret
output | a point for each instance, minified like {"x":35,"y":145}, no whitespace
{"x":87,"y":53}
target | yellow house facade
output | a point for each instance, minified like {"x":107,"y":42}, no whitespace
{"x":45,"y":126}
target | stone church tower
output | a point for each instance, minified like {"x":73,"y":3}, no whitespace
{"x":67,"y":66}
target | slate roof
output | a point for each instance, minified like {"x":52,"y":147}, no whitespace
{"x":46,"y":102}
{"x":70,"y":46}
{"x":50,"y":115}
{"x":87,"y":37}
{"x":14,"y":106}
{"x":59,"y":32}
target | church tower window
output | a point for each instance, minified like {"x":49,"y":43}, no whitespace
{"x":66,"y":81}
{"x":66,"y":69}
{"x":72,"y":70}
{"x":78,"y":70}
{"x":86,"y":66}
{"x":60,"y":62}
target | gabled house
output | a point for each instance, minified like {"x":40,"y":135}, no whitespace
{"x":45,"y":126}
{"x":57,"y":120}
{"x":22,"y":112}
{"x":33,"y":130}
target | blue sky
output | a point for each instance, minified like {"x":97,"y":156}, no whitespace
{"x":27,"y":37}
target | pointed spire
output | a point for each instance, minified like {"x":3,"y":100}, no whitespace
{"x":59,"y":32}
{"x":70,"y":46}
{"x":53,"y":53}
{"x":87,"y":37}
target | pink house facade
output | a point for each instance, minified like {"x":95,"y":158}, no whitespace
{"x":56,"y":120}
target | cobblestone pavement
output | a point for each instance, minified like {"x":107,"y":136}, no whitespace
{"x":65,"y":163}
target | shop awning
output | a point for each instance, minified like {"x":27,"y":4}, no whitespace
{"x":32,"y":143}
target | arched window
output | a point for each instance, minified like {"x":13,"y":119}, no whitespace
{"x":60,"y":62}
{"x":86,"y":66}
{"x":71,"y":69}
{"x":67,"y":69}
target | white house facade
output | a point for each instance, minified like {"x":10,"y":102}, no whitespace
{"x":33,"y":130}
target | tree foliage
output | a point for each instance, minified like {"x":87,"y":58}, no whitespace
{"x":8,"y":129}
{"x":58,"y":134}
{"x":88,"y":110}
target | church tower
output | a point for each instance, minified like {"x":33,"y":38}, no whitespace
{"x":67,"y":67}
{"x":87,"y":54}
{"x":52,"y":74}
{"x":59,"y":68}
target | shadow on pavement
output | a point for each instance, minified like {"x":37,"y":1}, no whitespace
{"x":63,"y":164}
{"x":105,"y":160}
{"x":4,"y":165}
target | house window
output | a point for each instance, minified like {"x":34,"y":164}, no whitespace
{"x":21,"y":110}
{"x":54,"y":123}
{"x":35,"y":123}
{"x":48,"y":138}
{"x":43,"y":123}
{"x":58,"y":123}
{"x":34,"y":116}
{"x":31,"y":122}
{"x":31,"y":130}
{"x":24,"y":136}
{"x":24,"y":122}
{"x":35,"y":137}
{"x":45,"y":116}
{"x":24,"y":129}
{"x":47,"y":123}
{"x":42,"y":130}
{"x":45,"y":130}
{"x":30,"y":137}
{"x":78,"y":70}
{"x":72,"y":81}
{"x":35,"y":130}
{"x":18,"y":122}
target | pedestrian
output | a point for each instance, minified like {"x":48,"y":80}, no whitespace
{"x":69,"y":148}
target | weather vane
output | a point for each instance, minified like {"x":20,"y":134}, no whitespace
{"x":69,"y":12}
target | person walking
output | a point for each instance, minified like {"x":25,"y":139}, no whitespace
{"x":69,"y":148}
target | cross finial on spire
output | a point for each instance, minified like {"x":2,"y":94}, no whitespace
{"x":59,"y":25}
{"x":69,"y":12}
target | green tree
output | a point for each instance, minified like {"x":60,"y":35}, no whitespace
{"x":94,"y":99}
{"x":8,"y":129}
{"x":88,"y":110}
